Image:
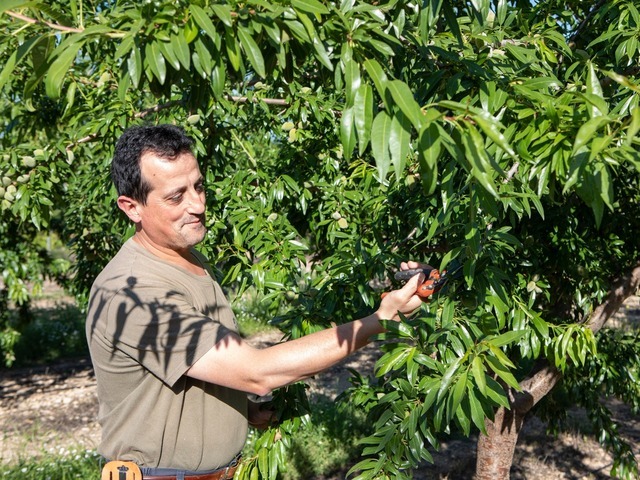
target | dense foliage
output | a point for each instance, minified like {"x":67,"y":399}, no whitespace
{"x":338,"y":139}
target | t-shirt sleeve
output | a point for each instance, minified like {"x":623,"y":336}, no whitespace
{"x":161,"y":331}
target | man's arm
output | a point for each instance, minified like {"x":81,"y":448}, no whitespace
{"x":235,"y":364}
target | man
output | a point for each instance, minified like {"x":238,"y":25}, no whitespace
{"x":172,"y":372}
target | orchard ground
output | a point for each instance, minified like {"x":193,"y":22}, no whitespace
{"x":52,"y":410}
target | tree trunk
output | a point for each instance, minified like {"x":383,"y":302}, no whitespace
{"x":496,"y":449}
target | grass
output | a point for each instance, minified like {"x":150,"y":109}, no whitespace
{"x":60,"y":465}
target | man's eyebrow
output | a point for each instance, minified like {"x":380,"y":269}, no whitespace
{"x":171,"y":193}
{"x":174,"y":192}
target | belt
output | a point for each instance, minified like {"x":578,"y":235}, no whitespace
{"x":222,"y":474}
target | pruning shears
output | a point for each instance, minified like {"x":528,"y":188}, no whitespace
{"x":434,"y":279}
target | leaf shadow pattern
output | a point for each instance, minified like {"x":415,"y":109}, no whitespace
{"x":164,"y":320}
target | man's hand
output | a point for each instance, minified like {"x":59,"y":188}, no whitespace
{"x":403,"y":300}
{"x":261,"y":415}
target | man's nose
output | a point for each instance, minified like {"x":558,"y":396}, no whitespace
{"x":197,"y":202}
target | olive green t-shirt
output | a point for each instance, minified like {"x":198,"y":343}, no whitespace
{"x":148,"y":322}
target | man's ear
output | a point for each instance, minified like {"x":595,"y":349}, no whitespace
{"x":130,"y":207}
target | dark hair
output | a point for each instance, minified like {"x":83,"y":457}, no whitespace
{"x":165,"y":141}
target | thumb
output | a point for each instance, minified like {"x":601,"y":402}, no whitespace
{"x":412,"y":285}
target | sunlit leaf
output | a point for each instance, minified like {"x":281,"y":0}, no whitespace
{"x":59,"y":68}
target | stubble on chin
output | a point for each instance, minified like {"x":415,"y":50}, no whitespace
{"x":197,"y":233}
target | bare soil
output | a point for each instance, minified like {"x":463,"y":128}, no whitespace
{"x":53,"y":409}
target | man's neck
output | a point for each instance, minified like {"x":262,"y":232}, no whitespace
{"x":184,"y":259}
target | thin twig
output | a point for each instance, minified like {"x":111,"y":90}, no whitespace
{"x":157,"y":108}
{"x":35,"y":21}
{"x":86,"y":139}
{"x":56,"y":26}
{"x":269,"y":101}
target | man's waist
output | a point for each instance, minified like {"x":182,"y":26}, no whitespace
{"x":226,"y":473}
{"x":150,"y":473}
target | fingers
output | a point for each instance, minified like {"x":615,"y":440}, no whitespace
{"x":413,"y":283}
{"x":411,"y":265}
{"x":411,"y":289}
{"x":404,"y":300}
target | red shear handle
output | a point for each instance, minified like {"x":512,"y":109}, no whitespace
{"x":428,"y":287}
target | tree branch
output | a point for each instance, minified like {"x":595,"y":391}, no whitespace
{"x":269,"y":101}
{"x":622,"y":288}
{"x":584,"y":23}
{"x":157,"y":108}
{"x":56,"y":26}
{"x":35,"y":21}
{"x":86,"y":139}
{"x":546,"y":376}
{"x":535,"y":387}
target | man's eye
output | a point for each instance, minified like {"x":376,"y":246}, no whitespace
{"x":176,"y":198}
{"x":200,"y":187}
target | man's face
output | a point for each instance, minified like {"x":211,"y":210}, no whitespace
{"x":173,"y":217}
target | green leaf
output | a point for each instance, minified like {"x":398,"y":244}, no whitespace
{"x":459,"y":390}
{"x":167,"y":52}
{"x":622,"y":80}
{"x":496,"y":393}
{"x":156,"y":62}
{"x":490,"y":126}
{"x":218,"y":79}
{"x":16,"y":57}
{"x":298,"y":30}
{"x":252,"y":50}
{"x":223,"y":12}
{"x":351,"y":79}
{"x":204,"y":22}
{"x":429,"y":148}
{"x":12,"y":4}
{"x":321,"y":53}
{"x":202,"y":59}
{"x":347,"y":131}
{"x":404,"y":99}
{"x":506,"y":338}
{"x":380,"y":132}
{"x":502,"y":371}
{"x":399,"y":138}
{"x":594,"y":88}
{"x":587,"y":131}
{"x":310,"y":6}
{"x":378,"y":76}
{"x":181,"y":50}
{"x":363,"y":115}
{"x":134,"y":66}
{"x":125,"y":46}
{"x":501,"y":356}
{"x":540,"y":326}
{"x":233,"y":49}
{"x":477,"y":412}
{"x":632,"y":130}
{"x":452,"y":21}
{"x":59,"y":68}
{"x":448,"y":376}
{"x":476,"y":155}
{"x":477,"y":369}
{"x":392,"y":360}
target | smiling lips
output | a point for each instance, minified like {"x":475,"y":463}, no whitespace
{"x":197,"y":220}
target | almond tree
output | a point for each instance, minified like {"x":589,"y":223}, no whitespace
{"x":493,"y":139}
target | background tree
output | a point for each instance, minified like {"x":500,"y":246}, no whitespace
{"x":339,"y":138}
